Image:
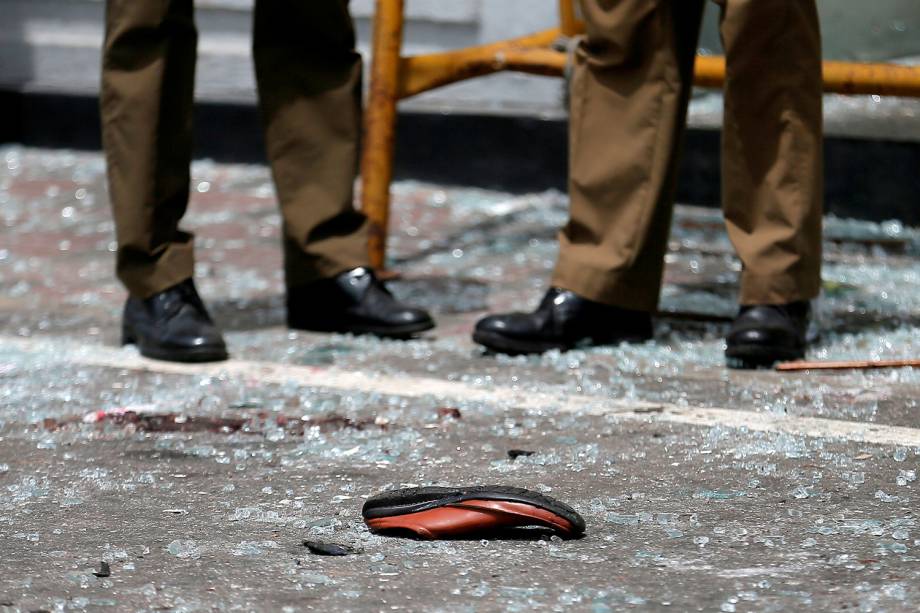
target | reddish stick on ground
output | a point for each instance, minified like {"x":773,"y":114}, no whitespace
{"x":854,"y":365}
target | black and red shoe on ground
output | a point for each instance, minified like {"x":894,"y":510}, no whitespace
{"x":451,"y":512}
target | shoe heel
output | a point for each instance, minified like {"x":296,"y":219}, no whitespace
{"x":127,"y":336}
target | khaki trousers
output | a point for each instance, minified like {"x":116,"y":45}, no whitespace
{"x":308,"y":76}
{"x":630,"y":90}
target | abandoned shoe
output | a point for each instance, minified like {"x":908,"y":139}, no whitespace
{"x":173,"y":325}
{"x":564,"y":320}
{"x":445,"y":512}
{"x":762,"y":335}
{"x":354,"y":301}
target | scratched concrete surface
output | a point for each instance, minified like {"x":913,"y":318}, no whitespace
{"x":703,"y":488}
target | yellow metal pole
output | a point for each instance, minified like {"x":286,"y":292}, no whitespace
{"x":380,"y":126}
{"x":568,"y":20}
{"x":881,"y":79}
{"x":531,"y":53}
{"x":839,"y":77}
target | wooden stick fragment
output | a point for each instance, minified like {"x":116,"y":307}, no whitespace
{"x":848,"y":365}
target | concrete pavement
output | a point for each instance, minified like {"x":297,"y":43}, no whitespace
{"x":703,"y":488}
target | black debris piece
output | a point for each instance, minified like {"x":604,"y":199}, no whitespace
{"x":104,"y":570}
{"x":328,"y":549}
{"x":449,"y":413}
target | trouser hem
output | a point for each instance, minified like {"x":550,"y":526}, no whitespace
{"x":778,"y":289}
{"x":612,"y":288}
{"x":143,"y":280}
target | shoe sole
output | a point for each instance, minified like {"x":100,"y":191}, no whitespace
{"x":445,"y":512}
{"x":195,"y":355}
{"x":398,"y":332}
{"x":502,"y":344}
{"x":751,"y":357}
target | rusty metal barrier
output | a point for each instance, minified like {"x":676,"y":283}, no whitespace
{"x":395,"y":77}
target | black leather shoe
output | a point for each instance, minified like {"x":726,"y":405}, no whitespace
{"x":173,"y":325}
{"x":354,"y":301}
{"x":762,"y":335}
{"x":564,"y":320}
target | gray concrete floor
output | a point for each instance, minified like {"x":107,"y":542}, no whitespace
{"x":703,"y":488}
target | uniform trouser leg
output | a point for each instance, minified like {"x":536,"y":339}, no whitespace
{"x":309,"y":78}
{"x":630,"y":88}
{"x":627,"y":117}
{"x":146,"y":106}
{"x":772,"y":158}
